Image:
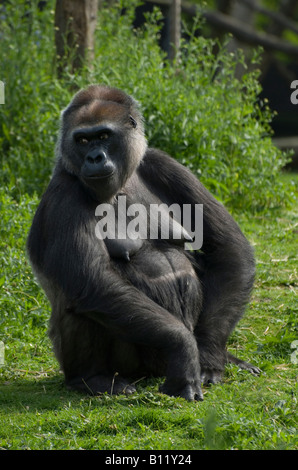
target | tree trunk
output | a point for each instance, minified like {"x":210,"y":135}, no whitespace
{"x":75,"y":22}
{"x":175,"y":28}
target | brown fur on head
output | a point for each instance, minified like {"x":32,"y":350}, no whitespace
{"x":103,"y":102}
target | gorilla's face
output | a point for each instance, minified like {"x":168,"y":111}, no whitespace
{"x":101,"y":142}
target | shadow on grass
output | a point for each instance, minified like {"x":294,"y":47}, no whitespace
{"x":50,"y":393}
{"x":45,"y":393}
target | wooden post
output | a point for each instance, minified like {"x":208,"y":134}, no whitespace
{"x":175,"y":27}
{"x":75,"y":22}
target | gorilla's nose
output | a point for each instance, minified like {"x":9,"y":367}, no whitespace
{"x":96,"y":156}
{"x":97,"y":164}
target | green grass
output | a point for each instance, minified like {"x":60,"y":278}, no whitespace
{"x":244,"y":412}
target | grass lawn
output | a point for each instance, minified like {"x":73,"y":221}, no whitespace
{"x":244,"y":412}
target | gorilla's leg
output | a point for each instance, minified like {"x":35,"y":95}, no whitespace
{"x":86,"y":353}
{"x":227,"y":280}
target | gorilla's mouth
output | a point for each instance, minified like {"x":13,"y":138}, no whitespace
{"x":101,"y":175}
{"x":94,"y":171}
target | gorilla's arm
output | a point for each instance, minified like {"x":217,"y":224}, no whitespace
{"x":226,"y":257}
{"x":223,"y":241}
{"x":176,"y":184}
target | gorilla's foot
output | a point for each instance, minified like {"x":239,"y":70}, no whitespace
{"x":191,"y":391}
{"x":211,"y":376}
{"x":243,"y":365}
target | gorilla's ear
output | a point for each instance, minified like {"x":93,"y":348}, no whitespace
{"x":133,"y":122}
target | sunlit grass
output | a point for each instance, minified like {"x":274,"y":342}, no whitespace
{"x":244,"y":412}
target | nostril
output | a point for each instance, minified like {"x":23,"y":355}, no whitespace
{"x":98,"y":159}
{"x":95,"y":158}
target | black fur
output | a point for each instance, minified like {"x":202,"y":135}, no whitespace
{"x":124,"y":311}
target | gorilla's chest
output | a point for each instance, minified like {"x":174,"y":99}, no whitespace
{"x":126,"y":224}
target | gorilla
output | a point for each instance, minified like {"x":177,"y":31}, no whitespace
{"x":126,"y":307}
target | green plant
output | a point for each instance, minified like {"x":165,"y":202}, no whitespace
{"x":195,"y":109}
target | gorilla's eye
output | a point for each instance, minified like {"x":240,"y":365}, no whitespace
{"x":104,"y":136}
{"x":82,"y":140}
{"x":133,"y":122}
